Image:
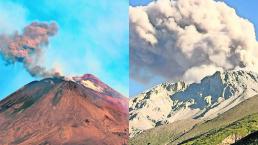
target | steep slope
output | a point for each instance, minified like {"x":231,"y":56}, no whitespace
{"x":55,"y":111}
{"x":251,"y":139}
{"x":151,"y":108}
{"x":170,"y":102}
{"x":177,"y":132}
{"x":92,"y":82}
{"x":227,"y":135}
{"x":248,"y":107}
{"x":161,"y":135}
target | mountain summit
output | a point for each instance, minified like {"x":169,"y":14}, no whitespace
{"x":56,"y":111}
{"x":91,"y":81}
{"x":171,"y":102}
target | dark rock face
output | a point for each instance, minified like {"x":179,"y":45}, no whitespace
{"x":251,"y":139}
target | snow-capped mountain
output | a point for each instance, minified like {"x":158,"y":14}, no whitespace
{"x":170,"y":102}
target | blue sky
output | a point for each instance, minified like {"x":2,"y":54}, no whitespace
{"x":92,"y":38}
{"x":245,"y":9}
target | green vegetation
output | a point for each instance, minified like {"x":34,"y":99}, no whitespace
{"x":239,"y":128}
{"x":161,"y":134}
{"x":243,"y":109}
{"x":169,"y":134}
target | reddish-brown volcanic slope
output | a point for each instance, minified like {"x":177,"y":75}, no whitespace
{"x":54,"y":112}
{"x":110,"y":94}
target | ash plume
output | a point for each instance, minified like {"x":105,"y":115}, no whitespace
{"x":189,"y":39}
{"x":27,"y":47}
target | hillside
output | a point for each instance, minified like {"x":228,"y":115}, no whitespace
{"x":162,"y":134}
{"x":57,"y":111}
{"x":245,"y":108}
{"x":251,"y":139}
{"x":177,"y":132}
{"x":228,"y":134}
{"x":170,"y":102}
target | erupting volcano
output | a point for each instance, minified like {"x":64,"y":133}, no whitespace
{"x":57,"y":111}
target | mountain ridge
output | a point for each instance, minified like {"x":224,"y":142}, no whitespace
{"x":215,"y":94}
{"x":185,"y":130}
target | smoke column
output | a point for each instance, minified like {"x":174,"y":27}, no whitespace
{"x":189,"y":39}
{"x":27,"y":47}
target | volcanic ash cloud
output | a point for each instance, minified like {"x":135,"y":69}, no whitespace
{"x":27,"y":47}
{"x":189,"y":39}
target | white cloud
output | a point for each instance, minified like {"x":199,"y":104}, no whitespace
{"x":195,"y":74}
